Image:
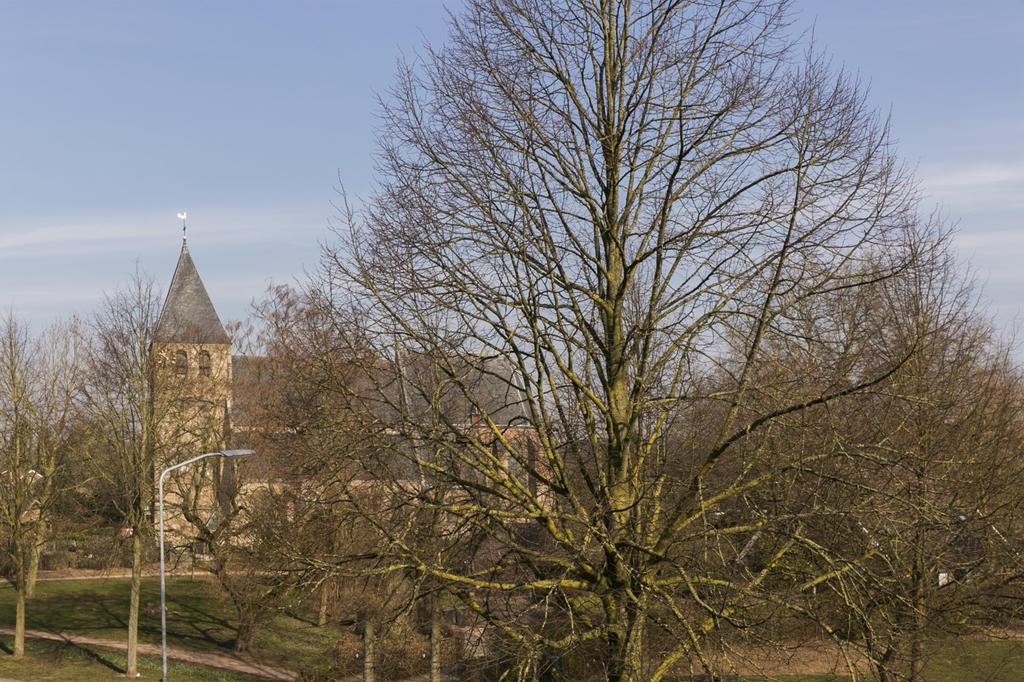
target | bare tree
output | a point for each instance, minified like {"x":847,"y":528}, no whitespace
{"x":17,"y":477}
{"x":39,"y":383}
{"x":592,"y":221}
{"x":881,"y":506}
{"x":298,"y":403}
{"x":125,"y":421}
{"x":938,"y":484}
{"x":225,"y":519}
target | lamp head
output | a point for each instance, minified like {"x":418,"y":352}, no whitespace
{"x":237,"y":453}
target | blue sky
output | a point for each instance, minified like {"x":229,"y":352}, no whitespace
{"x":116,"y":115}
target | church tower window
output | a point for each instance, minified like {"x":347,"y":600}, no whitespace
{"x":204,"y":363}
{"x":181,"y":363}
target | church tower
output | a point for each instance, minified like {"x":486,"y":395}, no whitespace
{"x":193,"y":364}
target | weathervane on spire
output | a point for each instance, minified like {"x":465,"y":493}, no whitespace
{"x":181,"y":217}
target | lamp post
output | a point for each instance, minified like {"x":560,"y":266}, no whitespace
{"x":163,"y":591}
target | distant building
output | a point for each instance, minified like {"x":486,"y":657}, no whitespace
{"x":193,"y":353}
{"x":193,"y":395}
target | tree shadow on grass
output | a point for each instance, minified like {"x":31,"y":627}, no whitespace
{"x":114,"y":619}
{"x":186,"y":622}
{"x":91,"y":612}
{"x":198,"y":625}
{"x":308,"y":620}
{"x":94,"y":656}
{"x":207,"y":616}
{"x":64,"y":646}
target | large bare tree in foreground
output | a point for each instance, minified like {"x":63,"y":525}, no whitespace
{"x":595,"y":222}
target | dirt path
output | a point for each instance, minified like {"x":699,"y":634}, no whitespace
{"x":107,"y":573}
{"x":199,"y":658}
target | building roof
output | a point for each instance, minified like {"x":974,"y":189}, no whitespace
{"x":188,"y":315}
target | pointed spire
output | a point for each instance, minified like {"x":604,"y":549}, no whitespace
{"x":188,"y":315}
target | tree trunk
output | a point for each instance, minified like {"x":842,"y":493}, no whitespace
{"x":368,"y":651}
{"x":916,"y":658}
{"x":882,"y":667}
{"x":625,"y":642}
{"x":33,"y":561}
{"x":247,"y":603}
{"x":435,"y":642}
{"x":19,"y":620}
{"x":131,"y":667}
{"x":18,"y":555}
{"x":321,"y":619}
{"x":919,"y":576}
{"x":246,"y":630}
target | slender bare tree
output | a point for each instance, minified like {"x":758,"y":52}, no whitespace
{"x":39,"y":390}
{"x":125,"y":421}
{"x":17,"y":476}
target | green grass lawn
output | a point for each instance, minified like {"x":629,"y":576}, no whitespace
{"x":198,"y":618}
{"x":46,"y":661}
{"x":961,"y":661}
{"x":951,"y":661}
{"x":967,"y":661}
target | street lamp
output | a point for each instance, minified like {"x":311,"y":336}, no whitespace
{"x":163,"y":591}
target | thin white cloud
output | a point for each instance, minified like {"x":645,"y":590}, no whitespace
{"x":134,"y":232}
{"x":1005,"y":243}
{"x":43,"y":294}
{"x":961,"y":178}
{"x":996,"y":187}
{"x":14,"y":238}
{"x":55,"y":266}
